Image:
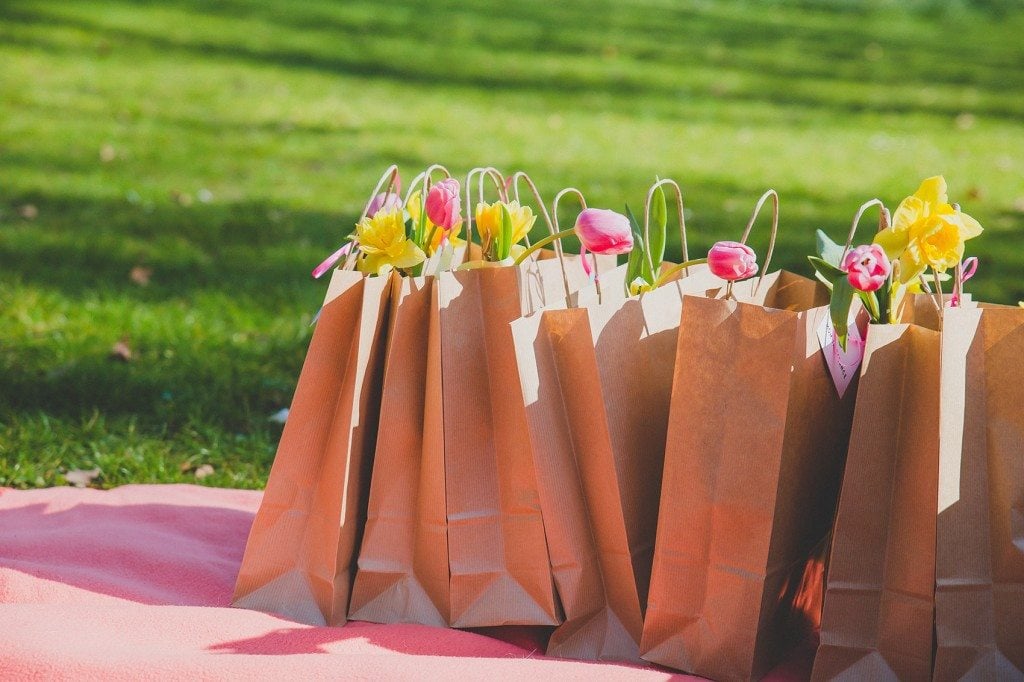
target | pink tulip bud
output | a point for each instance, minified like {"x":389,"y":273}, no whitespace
{"x":384,"y":202}
{"x":866,"y":267}
{"x":732,"y":261}
{"x":443,"y":207}
{"x":604,"y":232}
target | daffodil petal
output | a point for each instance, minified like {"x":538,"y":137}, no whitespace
{"x":911,"y":266}
{"x":969,"y":227}
{"x":371,"y":263}
{"x":907,"y":213}
{"x":933,"y":191}
{"x":411,"y":255}
{"x":893,"y":242}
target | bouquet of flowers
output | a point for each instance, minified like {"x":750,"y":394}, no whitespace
{"x":649,"y":456}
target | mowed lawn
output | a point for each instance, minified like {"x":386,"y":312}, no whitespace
{"x":171,"y":171}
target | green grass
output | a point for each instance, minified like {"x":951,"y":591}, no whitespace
{"x":117,"y":118}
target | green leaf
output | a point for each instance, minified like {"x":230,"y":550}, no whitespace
{"x":505,"y":245}
{"x":659,"y":225}
{"x":638,"y":235}
{"x":828,"y":250}
{"x":639,"y":247}
{"x":633,"y":267}
{"x":839,"y":308}
{"x":870,"y":301}
{"x":830,"y":272}
{"x":885,"y":301}
{"x":421,"y":224}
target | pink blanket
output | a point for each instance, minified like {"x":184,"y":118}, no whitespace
{"x":135,"y":582}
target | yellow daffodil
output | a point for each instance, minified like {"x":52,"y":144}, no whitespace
{"x":488,"y":220}
{"x":927,"y":231}
{"x":383,"y":243}
{"x":414,"y":206}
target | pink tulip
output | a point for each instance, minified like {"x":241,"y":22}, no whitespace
{"x":384,"y":202}
{"x":867,"y":267}
{"x":732,"y":261}
{"x":604,"y":232}
{"x":443,"y":207}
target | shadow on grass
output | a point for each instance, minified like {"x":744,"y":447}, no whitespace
{"x":785,"y":63}
{"x":261,"y":253}
{"x":256,"y":252}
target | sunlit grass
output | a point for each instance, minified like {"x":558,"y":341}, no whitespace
{"x":227,"y":147}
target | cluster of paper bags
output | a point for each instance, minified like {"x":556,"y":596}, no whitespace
{"x":658,"y":476}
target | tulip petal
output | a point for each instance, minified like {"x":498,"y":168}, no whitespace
{"x":970,"y":266}
{"x":319,"y":270}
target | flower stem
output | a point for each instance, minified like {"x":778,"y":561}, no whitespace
{"x":544,"y":242}
{"x":871,"y":303}
{"x":678,"y":268}
{"x":430,"y":238}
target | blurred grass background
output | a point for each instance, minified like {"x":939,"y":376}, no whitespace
{"x":170,"y":172}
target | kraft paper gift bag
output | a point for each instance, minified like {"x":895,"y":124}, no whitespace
{"x":979,"y":566}
{"x":402,"y":574}
{"x":403,"y":566}
{"x":597,"y":391}
{"x":634,"y":348}
{"x":578,"y":489}
{"x":753,"y":461}
{"x":878,"y":612}
{"x":301,"y":550}
{"x":498,"y":556}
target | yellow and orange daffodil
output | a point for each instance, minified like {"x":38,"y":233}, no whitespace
{"x":488,"y":220}
{"x":384,"y":245}
{"x":414,"y":206}
{"x":927,"y":231}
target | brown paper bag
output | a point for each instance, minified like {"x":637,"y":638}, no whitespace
{"x":979,"y":593}
{"x":497,"y":552}
{"x":578,"y":488}
{"x":753,"y":460}
{"x":605,"y":417}
{"x":878,"y":612}
{"x":635,"y":349}
{"x":402,"y":572}
{"x":301,"y":548}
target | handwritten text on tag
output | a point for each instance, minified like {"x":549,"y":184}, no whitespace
{"x":842,"y":364}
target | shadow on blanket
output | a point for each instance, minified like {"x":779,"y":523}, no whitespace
{"x":148,"y":553}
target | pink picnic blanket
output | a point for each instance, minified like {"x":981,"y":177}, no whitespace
{"x":135,"y":583}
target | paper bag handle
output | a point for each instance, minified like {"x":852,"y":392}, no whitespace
{"x":682,"y":219}
{"x":390,"y":176}
{"x":499,"y":183}
{"x":557,"y":245}
{"x":775,"y":229}
{"x":583,"y":207}
{"x":883,"y":222}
